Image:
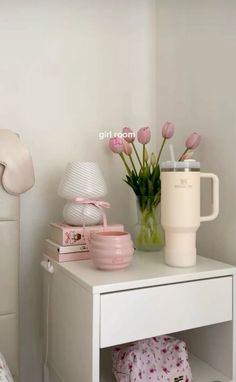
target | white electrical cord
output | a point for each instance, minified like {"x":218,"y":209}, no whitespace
{"x":46,"y":377}
{"x":50,"y":269}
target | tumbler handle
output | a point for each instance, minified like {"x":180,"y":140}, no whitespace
{"x":215,"y":197}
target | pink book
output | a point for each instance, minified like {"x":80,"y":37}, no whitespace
{"x":51,"y":247}
{"x":64,"y":234}
{"x":74,"y":256}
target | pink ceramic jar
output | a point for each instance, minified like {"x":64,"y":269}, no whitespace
{"x":111,"y":250}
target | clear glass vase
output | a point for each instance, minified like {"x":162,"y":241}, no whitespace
{"x":149,"y":234}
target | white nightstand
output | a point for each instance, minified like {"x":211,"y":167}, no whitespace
{"x":92,"y":310}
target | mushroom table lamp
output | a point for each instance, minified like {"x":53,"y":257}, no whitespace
{"x":82,"y":180}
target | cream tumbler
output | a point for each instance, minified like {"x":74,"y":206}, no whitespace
{"x":180,"y":209}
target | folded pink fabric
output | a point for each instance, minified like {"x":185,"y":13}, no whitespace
{"x":5,"y":375}
{"x":18,"y":175}
{"x":162,"y":358}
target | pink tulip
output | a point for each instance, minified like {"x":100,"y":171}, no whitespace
{"x":153,"y":159}
{"x":116,"y":145}
{"x":144,"y":135}
{"x":193,"y":141}
{"x":127,"y":148}
{"x":129,"y":135}
{"x":168,"y":130}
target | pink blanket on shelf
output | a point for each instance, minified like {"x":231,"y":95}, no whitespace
{"x":18,"y":175}
{"x":162,"y":358}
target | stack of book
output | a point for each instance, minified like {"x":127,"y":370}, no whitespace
{"x":69,"y":243}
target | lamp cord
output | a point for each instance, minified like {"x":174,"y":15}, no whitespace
{"x":45,"y":366}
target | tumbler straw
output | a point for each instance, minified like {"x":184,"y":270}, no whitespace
{"x":172,"y":153}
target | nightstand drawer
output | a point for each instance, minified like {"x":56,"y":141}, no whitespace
{"x":142,"y":313}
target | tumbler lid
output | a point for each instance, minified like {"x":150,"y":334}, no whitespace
{"x":186,"y":165}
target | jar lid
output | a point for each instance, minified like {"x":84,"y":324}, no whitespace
{"x":186,"y":165}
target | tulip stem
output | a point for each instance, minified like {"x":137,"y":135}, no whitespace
{"x":185,"y":152}
{"x":159,"y":155}
{"x":136,"y":152}
{"x":143,"y":155}
{"x":132,"y":162}
{"x":125,"y":163}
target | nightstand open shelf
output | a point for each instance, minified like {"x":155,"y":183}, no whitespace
{"x":91,"y":311}
{"x":202,"y":372}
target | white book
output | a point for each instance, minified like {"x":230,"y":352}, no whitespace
{"x":52,"y":247}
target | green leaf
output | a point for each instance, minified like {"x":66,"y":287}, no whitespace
{"x":146,"y":183}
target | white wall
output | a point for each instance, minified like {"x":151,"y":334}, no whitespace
{"x":196,"y":66}
{"x":68,"y":70}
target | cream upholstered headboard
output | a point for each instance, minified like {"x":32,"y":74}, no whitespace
{"x":9,"y":261}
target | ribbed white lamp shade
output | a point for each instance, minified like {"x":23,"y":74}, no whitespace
{"x":82,"y":179}
{"x":78,"y":214}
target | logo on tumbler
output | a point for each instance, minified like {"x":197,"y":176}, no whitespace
{"x":183,"y":183}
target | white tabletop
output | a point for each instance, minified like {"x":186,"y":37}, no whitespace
{"x":147,"y":269}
